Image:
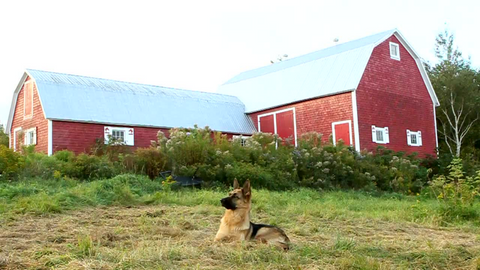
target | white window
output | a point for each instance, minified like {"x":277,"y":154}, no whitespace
{"x":380,"y":135}
{"x":242,"y":139}
{"x":119,"y":134}
{"x":394,"y":51}
{"x":414,"y":138}
{"x":30,"y":136}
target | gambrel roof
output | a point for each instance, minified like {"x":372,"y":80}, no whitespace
{"x":326,"y":72}
{"x":75,"y":98}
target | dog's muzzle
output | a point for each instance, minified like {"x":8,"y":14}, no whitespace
{"x":227,"y":203}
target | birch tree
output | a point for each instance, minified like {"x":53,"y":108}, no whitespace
{"x":456,"y":84}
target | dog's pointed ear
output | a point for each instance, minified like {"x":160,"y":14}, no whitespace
{"x":247,"y":190}
{"x":235,"y":184}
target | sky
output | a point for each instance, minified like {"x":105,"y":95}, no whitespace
{"x":199,"y":45}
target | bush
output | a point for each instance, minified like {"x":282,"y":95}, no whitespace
{"x":10,"y":163}
{"x":150,"y":161}
{"x":187,"y":147}
{"x":457,"y":192}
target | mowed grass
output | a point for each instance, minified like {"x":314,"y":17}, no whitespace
{"x":129,"y":222}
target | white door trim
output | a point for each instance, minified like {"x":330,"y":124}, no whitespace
{"x":275,"y":121}
{"x":349,"y":130}
{"x":15,"y":138}
{"x":355,"y":121}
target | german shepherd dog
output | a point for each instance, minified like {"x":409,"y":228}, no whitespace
{"x":236,"y":224}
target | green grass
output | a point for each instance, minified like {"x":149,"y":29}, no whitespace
{"x":129,"y":222}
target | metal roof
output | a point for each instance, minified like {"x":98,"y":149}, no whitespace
{"x":329,"y":71}
{"x":86,"y":99}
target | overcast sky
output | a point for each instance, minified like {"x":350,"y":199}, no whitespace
{"x":199,"y":45}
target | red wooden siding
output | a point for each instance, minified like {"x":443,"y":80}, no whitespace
{"x":28,"y":104}
{"x":316,"y":114}
{"x":37,"y":120}
{"x":393,"y":94}
{"x":80,"y":137}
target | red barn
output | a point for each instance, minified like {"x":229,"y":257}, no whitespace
{"x":368,"y":92}
{"x":57,"y":111}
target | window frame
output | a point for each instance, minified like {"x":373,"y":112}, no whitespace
{"x":243,"y":139}
{"x":117,"y":138}
{"x":397,"y":46}
{"x":30,"y":140}
{"x":418,"y":135}
{"x":385,"y":135}
{"x":128,"y":134}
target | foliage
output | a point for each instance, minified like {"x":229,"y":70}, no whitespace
{"x":10,"y":163}
{"x":457,"y":86}
{"x":150,"y":161}
{"x":4,"y":139}
{"x":187,"y":147}
{"x":457,"y":191}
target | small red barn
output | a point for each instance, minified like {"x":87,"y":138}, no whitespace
{"x":368,"y":92}
{"x":56,"y":111}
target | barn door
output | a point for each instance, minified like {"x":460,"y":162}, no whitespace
{"x":280,"y":122}
{"x":286,"y":126}
{"x":342,"y":131}
{"x":266,"y":124}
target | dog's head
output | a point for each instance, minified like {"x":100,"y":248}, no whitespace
{"x":238,"y":197}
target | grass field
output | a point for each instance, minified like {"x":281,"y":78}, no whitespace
{"x":129,"y":223}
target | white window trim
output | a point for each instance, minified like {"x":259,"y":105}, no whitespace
{"x":396,"y":57}
{"x":15,"y":138}
{"x":419,"y":138}
{"x":349,"y":130}
{"x":24,"y":107}
{"x":25,"y":136}
{"x":275,"y":121}
{"x":386,"y":135}
{"x":129,"y":137}
{"x":240,"y":137}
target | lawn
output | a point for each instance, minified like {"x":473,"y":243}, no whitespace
{"x":129,"y":222}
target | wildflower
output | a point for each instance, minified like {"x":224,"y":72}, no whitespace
{"x":326,"y":170}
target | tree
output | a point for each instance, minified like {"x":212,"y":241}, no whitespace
{"x":457,"y":86}
{"x":4,"y":140}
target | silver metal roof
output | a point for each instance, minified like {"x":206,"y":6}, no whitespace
{"x":85,"y":99}
{"x":329,"y":71}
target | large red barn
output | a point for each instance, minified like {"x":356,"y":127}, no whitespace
{"x":368,"y":92}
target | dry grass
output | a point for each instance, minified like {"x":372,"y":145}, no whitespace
{"x":180,"y":237}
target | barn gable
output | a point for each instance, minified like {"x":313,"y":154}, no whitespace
{"x":330,"y":71}
{"x":75,"y":98}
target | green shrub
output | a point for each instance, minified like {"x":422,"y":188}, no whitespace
{"x":87,"y":167}
{"x":150,"y":161}
{"x":4,"y":139}
{"x":10,"y":163}
{"x":457,"y":192}
{"x":187,"y":147}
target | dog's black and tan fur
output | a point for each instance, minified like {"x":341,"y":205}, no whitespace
{"x":236,"y":224}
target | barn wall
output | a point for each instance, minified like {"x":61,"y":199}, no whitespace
{"x":393,"y":94}
{"x":317,"y":114}
{"x":80,"y":137}
{"x":37,"y":120}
